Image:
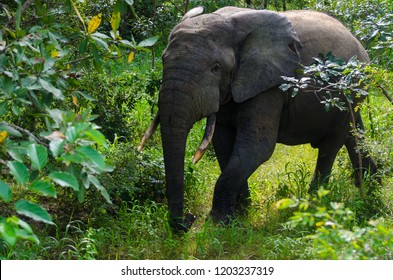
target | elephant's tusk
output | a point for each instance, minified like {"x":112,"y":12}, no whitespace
{"x":207,"y":137}
{"x":150,"y":130}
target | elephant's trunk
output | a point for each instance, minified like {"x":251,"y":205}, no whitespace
{"x":176,"y":120}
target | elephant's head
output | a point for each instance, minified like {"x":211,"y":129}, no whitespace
{"x":210,"y":59}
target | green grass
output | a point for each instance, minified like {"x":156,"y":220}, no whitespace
{"x":140,"y":230}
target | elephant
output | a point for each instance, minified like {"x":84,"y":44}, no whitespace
{"x":227,"y":66}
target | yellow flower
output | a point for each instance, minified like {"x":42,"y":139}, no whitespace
{"x":3,"y":136}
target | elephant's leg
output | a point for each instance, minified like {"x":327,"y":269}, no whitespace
{"x":323,"y":168}
{"x":257,"y":126}
{"x":328,"y":149}
{"x":358,"y":156}
{"x":223,"y":142}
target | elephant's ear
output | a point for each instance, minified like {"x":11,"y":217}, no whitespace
{"x":269,"y":51}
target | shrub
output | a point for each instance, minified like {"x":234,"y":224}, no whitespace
{"x":334,"y":231}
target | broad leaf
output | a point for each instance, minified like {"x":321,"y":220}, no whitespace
{"x":38,"y":155}
{"x":286,"y":203}
{"x":32,"y":210}
{"x":99,"y":187}
{"x":3,"y":108}
{"x":57,"y":147}
{"x":43,"y":187}
{"x":94,"y":156}
{"x":8,"y":232}
{"x":94,"y":23}
{"x":12,"y":131}
{"x":65,"y":179}
{"x":19,"y":171}
{"x":115,"y":22}
{"x":100,"y":42}
{"x":149,"y":42}
{"x":5,"y":192}
{"x":52,"y":89}
{"x":97,"y":137}
{"x":130,"y":57}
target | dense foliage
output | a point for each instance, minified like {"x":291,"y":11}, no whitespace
{"x":78,"y":86}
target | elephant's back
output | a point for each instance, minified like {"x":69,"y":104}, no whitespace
{"x":320,"y":33}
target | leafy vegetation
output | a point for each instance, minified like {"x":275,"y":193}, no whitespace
{"x":78,"y":86}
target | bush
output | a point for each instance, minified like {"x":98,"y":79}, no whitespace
{"x":334,"y":231}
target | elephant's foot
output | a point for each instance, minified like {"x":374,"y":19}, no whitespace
{"x":222,"y":214}
{"x":242,"y":206}
{"x":180,"y":225}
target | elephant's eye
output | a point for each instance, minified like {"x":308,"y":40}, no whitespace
{"x":216,"y":67}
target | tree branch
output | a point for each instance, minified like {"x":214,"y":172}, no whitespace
{"x":22,"y":130}
{"x":24,"y":7}
{"x":385,"y":92}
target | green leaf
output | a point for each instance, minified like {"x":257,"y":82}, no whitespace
{"x":72,"y":134}
{"x":12,"y":131}
{"x":73,"y":157}
{"x":149,"y":42}
{"x":100,"y":42}
{"x":43,"y":187}
{"x":287,"y":203}
{"x":81,"y":195}
{"x":94,"y":156}
{"x":8,"y":232}
{"x":99,"y":187}
{"x":34,"y":211}
{"x":64,"y":179}
{"x":49,"y":87}
{"x":115,"y":21}
{"x":38,"y":155}
{"x":57,"y":147}
{"x":19,"y":171}
{"x":3,"y":108}
{"x":97,"y":137}
{"x":5,"y":192}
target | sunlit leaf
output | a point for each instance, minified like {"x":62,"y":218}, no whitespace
{"x":75,"y":101}
{"x":32,"y":210}
{"x":97,"y":137}
{"x":115,"y":22}
{"x":287,"y":203}
{"x":94,"y":23}
{"x":149,"y":42}
{"x":8,"y":232}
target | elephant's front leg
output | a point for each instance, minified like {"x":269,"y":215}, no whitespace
{"x":257,"y":124}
